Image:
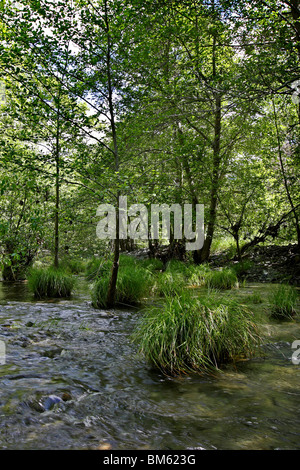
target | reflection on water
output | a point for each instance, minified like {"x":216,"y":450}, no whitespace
{"x":72,"y":381}
{"x":14,"y":291}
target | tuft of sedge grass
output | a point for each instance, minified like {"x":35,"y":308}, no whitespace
{"x":254,"y":298}
{"x":178,"y":267}
{"x":133,"y":284}
{"x":73,"y":265}
{"x":283,"y":302}
{"x":99,"y":292}
{"x":221,"y":279}
{"x":152,"y":264}
{"x":189,"y":334}
{"x":169,"y":283}
{"x":178,"y":275}
{"x":50,"y":282}
{"x":198,"y":274}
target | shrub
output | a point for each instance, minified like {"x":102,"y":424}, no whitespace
{"x":283,"y":300}
{"x":222,"y":244}
{"x":223,"y":279}
{"x":192,"y":334}
{"x":50,"y":282}
{"x":133,"y":284}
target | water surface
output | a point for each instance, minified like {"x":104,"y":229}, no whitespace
{"x":83,"y":358}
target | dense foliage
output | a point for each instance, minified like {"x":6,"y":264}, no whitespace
{"x":162,"y":102}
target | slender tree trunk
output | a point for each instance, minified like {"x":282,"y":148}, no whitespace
{"x":111,"y":293}
{"x":57,"y":170}
{"x":57,"y":187}
{"x":203,"y":254}
{"x":238,"y":248}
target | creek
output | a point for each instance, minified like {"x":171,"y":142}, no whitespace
{"x":71,"y":379}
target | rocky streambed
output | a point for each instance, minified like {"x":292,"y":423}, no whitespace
{"x":71,"y":380}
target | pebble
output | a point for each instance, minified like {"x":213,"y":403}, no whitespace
{"x":104,"y":446}
{"x":66,"y":396}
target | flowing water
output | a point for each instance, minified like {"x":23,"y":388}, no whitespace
{"x":71,"y":379}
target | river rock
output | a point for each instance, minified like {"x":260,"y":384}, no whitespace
{"x":43,"y":404}
{"x":52,"y":352}
{"x":51,"y":401}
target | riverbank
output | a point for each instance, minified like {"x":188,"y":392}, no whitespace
{"x":270,"y":263}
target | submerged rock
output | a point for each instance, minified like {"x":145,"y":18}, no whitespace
{"x":51,"y":401}
{"x":52,"y":352}
{"x":43,"y":404}
{"x":35,"y":405}
{"x":66,"y":396}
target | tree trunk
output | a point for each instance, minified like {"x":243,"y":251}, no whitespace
{"x":203,"y":254}
{"x":56,"y":222}
{"x":238,"y":248}
{"x":111,"y":293}
{"x":57,"y":172}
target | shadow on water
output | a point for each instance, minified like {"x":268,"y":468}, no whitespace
{"x":72,"y":380}
{"x":14,"y":291}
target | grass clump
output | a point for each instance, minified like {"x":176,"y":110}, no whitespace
{"x":255,"y":298}
{"x":73,"y":265}
{"x":101,"y":267}
{"x":198,"y":274}
{"x":178,"y":267}
{"x":50,"y":282}
{"x":169,"y":283}
{"x":178,"y":275}
{"x":133,"y":284}
{"x":99,"y":292}
{"x":189,"y":334}
{"x":152,"y":264}
{"x":283,"y":302}
{"x":224,"y":279}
